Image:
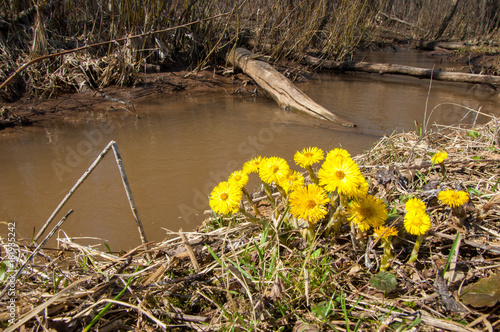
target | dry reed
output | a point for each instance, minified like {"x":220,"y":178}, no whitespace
{"x":330,"y":29}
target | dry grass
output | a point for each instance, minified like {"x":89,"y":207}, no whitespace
{"x":281,"y":29}
{"x":237,"y":275}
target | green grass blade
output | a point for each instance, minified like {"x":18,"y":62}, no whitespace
{"x":452,"y":251}
{"x":108,"y":306}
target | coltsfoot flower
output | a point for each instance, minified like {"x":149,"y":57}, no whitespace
{"x":309,"y":202}
{"x":252,"y":166}
{"x":439,"y":157}
{"x":367,"y":211}
{"x":417,"y":222}
{"x":338,"y":152}
{"x":239,"y":178}
{"x":414,"y":204}
{"x":293,"y":180}
{"x":385,"y":232}
{"x":453,"y":198}
{"x":225,"y":198}
{"x":308,"y":157}
{"x":273,"y":169}
{"x":341,"y":174}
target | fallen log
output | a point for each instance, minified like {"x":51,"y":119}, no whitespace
{"x":492,"y":49}
{"x":279,"y":87}
{"x":386,"y":68}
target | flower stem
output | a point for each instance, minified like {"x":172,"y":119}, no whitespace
{"x":269,"y":195}
{"x":309,"y":233}
{"x":249,"y":199}
{"x":385,"y":261}
{"x":416,"y":248}
{"x":443,"y":170}
{"x":313,"y":176}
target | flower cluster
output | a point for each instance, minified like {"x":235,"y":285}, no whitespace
{"x":338,"y":192}
{"x":439,"y":157}
{"x":333,"y":194}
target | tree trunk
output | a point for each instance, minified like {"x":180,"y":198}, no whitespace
{"x":447,"y":19}
{"x":386,"y":68}
{"x":279,"y":87}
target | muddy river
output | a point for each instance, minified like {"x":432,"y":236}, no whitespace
{"x":179,"y":148}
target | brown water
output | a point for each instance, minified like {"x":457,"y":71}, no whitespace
{"x":181,"y":147}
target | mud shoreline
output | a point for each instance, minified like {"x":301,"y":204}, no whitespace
{"x":28,"y":111}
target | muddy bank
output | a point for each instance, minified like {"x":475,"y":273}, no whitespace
{"x":116,"y":99}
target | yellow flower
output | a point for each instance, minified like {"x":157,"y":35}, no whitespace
{"x":252,"y":166}
{"x":385,"y":232}
{"x":273,"y":169}
{"x":367,"y":211}
{"x":361,"y":190}
{"x":453,"y":198}
{"x":439,"y":157}
{"x":308,"y":203}
{"x":343,"y":175}
{"x":308,"y":156}
{"x":239,"y":178}
{"x":417,"y":222}
{"x":225,"y":198}
{"x":292,"y":181}
{"x":338,"y":153}
{"x":414,"y":204}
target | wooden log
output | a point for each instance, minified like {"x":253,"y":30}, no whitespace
{"x":386,"y":68}
{"x":489,"y":49}
{"x":279,"y":87}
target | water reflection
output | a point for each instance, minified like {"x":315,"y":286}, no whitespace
{"x":182,"y":146}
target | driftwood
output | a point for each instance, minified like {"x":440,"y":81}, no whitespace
{"x":279,"y":87}
{"x":492,"y":49}
{"x":386,"y":68}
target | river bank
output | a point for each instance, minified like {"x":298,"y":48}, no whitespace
{"x":66,"y":106}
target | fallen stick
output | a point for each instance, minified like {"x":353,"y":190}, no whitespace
{"x":111,"y":145}
{"x":130,"y":198}
{"x":72,"y":190}
{"x":190,"y":251}
{"x":387,"y":68}
{"x":482,"y":246}
{"x":279,"y":87}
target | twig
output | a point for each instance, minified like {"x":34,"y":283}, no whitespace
{"x":125,"y":304}
{"x":188,"y":318}
{"x":129,"y":196}
{"x":190,"y":251}
{"x":486,"y":247}
{"x":72,"y":190}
